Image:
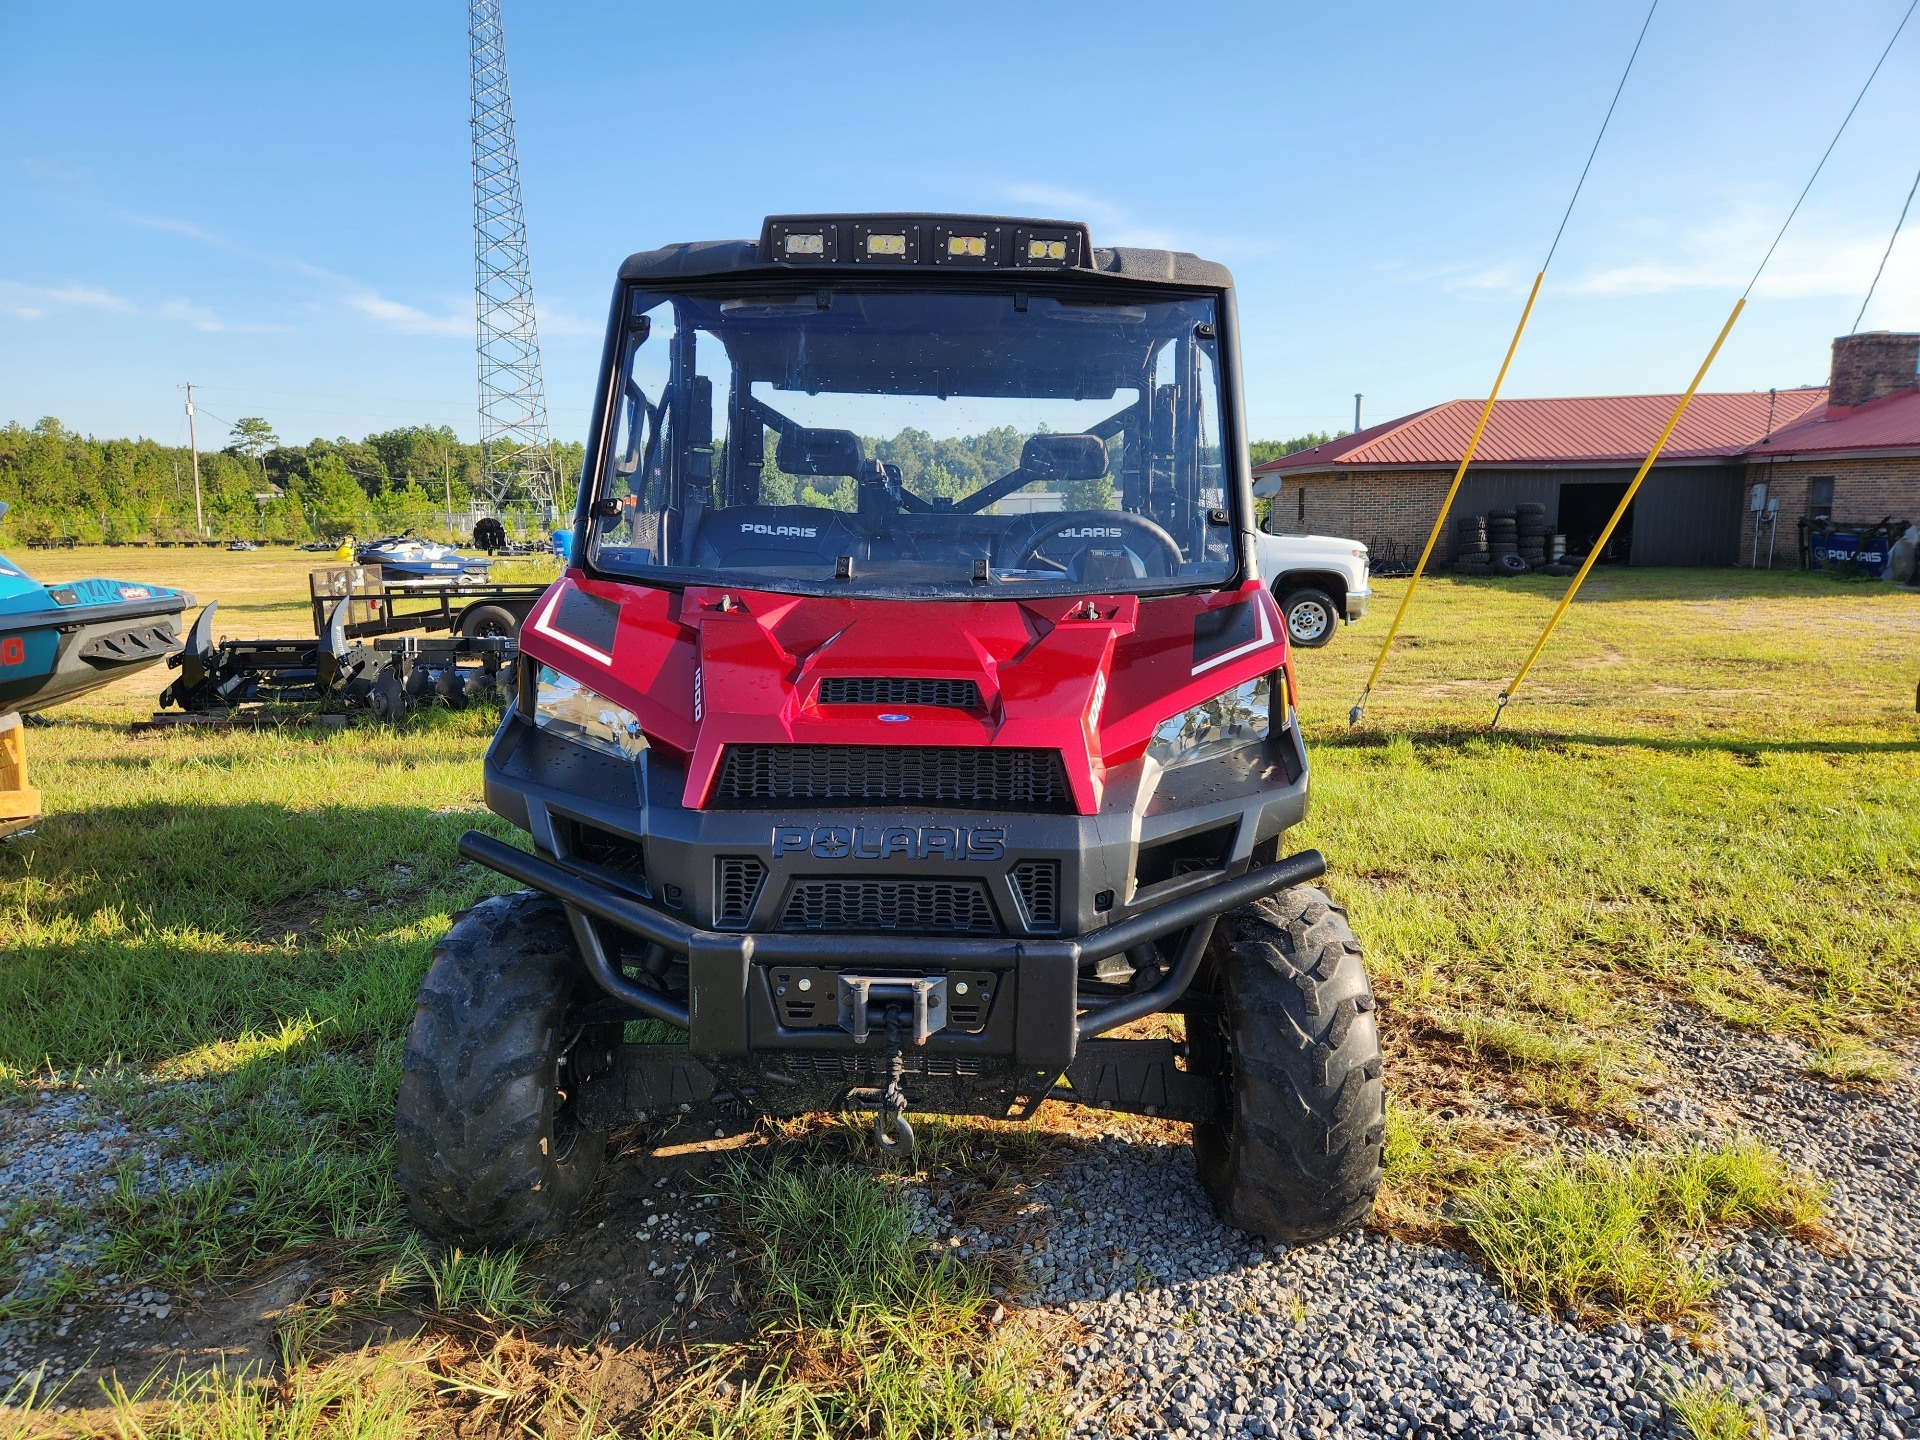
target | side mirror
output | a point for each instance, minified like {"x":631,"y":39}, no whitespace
{"x":1064,"y":457}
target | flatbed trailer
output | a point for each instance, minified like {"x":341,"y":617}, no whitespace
{"x":386,"y":607}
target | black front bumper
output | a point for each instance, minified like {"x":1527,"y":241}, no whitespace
{"x":640,"y":873}
{"x":1030,"y":1035}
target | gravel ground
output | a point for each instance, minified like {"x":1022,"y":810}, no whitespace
{"x":62,"y":1154}
{"x":1191,"y":1329}
{"x":1369,"y":1336}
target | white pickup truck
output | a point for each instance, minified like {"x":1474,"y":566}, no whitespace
{"x":1319,"y":580}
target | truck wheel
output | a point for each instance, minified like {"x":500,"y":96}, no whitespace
{"x":1311,"y":617}
{"x":489,"y":620}
{"x":1293,"y":1153}
{"x":489,"y":1152}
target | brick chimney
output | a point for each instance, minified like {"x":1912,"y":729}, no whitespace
{"x":1867,"y":367}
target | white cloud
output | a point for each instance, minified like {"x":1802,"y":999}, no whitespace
{"x":33,"y":302}
{"x":38,"y":302}
{"x":563,"y":324}
{"x":407,"y":319}
{"x":1813,"y":261}
{"x":344,"y":292}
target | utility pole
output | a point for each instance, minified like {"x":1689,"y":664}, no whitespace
{"x":193,"y":440}
{"x":1356,"y":413}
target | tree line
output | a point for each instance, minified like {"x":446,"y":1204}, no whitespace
{"x":58,"y":482}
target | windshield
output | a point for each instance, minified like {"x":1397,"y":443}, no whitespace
{"x":922,"y":443}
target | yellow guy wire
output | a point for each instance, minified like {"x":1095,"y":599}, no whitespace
{"x":1486,"y":411}
{"x":1594,"y":550}
{"x":1473,"y":443}
{"x":1593,"y":553}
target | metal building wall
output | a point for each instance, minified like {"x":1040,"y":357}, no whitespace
{"x":1688,"y":515}
{"x":1683,"y":515}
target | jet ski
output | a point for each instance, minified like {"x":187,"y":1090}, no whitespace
{"x":408,"y":557}
{"x":59,"y":641}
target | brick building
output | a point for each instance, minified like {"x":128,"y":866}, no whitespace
{"x":1849,"y":451}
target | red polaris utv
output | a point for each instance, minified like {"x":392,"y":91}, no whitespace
{"x":910,"y":718}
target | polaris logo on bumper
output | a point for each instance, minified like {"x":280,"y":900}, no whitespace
{"x":889,"y":842}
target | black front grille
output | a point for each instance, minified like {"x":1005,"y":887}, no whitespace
{"x":736,"y":885}
{"x":970,"y":776}
{"x":918,"y":907}
{"x":608,"y":851}
{"x":900,"y":690}
{"x":1039,"y":884}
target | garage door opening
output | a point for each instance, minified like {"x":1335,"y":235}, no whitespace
{"x":1583,"y":515}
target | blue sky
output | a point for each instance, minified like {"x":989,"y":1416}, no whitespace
{"x":273,"y":201}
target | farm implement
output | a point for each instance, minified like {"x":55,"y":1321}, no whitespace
{"x":377,"y":645}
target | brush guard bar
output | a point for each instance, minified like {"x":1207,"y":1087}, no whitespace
{"x":718,"y":963}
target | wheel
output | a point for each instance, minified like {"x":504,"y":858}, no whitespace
{"x":489,"y":1152}
{"x":489,"y":620}
{"x":1294,"y":1151}
{"x":1311,"y":617}
{"x":1509,"y":565}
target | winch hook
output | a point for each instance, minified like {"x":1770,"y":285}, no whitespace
{"x":891,"y":1132}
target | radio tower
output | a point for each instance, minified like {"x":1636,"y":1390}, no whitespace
{"x":516,"y":458}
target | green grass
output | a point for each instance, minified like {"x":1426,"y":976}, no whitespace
{"x":861,"y":1331}
{"x":1605,"y":1236}
{"x":1714,"y":1410}
{"x":1849,"y":1062}
{"x":1703,"y":794}
{"x":364,"y":1398}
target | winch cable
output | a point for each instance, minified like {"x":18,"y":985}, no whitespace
{"x":1881,"y":268}
{"x":1359,"y":709}
{"x":1659,"y":444}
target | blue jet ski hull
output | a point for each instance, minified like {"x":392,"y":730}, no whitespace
{"x":407,"y":558}
{"x":60,"y":641}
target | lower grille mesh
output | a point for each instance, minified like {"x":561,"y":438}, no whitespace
{"x":865,"y":1067}
{"x":736,"y":885}
{"x":1039,"y":885}
{"x":975,"y":776}
{"x":920,"y":907}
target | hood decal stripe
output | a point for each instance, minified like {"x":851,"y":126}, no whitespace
{"x":598,"y":622}
{"x":1228,"y":632}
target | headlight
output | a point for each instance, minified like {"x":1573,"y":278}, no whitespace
{"x":564,"y":707}
{"x":1240,"y":717}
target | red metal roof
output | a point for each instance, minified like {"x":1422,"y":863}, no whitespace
{"x":1586,"y":430}
{"x":1889,"y":423}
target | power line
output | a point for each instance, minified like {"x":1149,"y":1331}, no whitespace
{"x":1359,"y":710}
{"x":1605,"y":121}
{"x":1619,"y":510}
{"x":1881,"y":267}
{"x":1845,"y":121}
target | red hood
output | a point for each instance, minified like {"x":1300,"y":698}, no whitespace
{"x":705,"y":668}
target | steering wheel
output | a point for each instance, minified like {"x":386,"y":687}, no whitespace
{"x":1021,"y":546}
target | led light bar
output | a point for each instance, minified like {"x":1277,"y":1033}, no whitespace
{"x":963,"y":241}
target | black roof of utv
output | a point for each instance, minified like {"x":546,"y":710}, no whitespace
{"x":696,"y":259}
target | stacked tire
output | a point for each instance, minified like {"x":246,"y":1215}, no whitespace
{"x":1530,"y":526}
{"x":1503,"y":535}
{"x":1470,"y":555}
